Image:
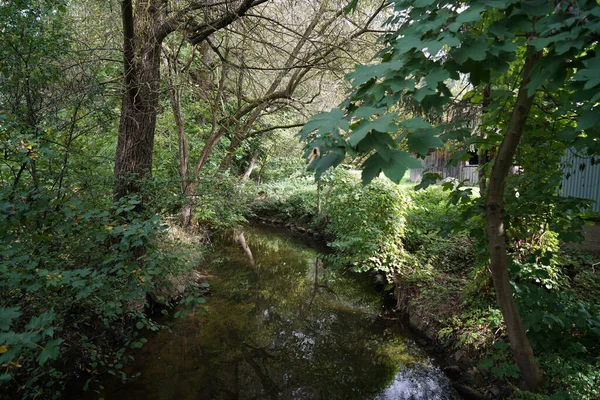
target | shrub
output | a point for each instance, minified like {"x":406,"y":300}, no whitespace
{"x":222,"y":202}
{"x":367,"y":223}
{"x":429,"y":214}
{"x":73,"y":286}
{"x":289,"y":200}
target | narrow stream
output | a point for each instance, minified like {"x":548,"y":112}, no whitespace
{"x":273,"y":328}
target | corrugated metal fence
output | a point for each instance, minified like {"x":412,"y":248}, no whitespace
{"x":581,"y":177}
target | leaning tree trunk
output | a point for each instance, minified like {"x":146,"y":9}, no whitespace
{"x":250,"y":168}
{"x":519,"y":342}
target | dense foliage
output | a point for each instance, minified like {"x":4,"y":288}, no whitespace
{"x":210,"y":97}
{"x":367,"y":224}
{"x":441,"y":272}
{"x":529,"y":65}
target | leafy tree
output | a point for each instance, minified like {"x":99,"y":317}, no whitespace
{"x":242,"y":89}
{"x":536,"y":59}
{"x":144,"y":30}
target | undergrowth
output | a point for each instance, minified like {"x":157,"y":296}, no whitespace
{"x":73,"y":290}
{"x":439,"y":256}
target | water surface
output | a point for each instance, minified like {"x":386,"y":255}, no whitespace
{"x":275,"y":327}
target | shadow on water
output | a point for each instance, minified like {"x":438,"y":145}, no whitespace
{"x":273,"y":329}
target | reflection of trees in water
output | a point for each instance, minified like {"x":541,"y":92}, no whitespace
{"x":273,"y":331}
{"x":238,"y":236}
{"x":298,"y":342}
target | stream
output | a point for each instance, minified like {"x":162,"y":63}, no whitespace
{"x":275,"y":328}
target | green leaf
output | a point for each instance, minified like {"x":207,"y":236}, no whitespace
{"x":486,"y":363}
{"x":399,"y":84}
{"x":41,"y":321}
{"x":50,"y":351}
{"x":398,"y":164}
{"x":436,"y":76}
{"x":423,"y":3}
{"x":331,"y":159}
{"x":588,"y":120}
{"x":366,"y":112}
{"x":537,"y":8}
{"x":407,"y":43}
{"x":364,"y":73}
{"x":7,"y":314}
{"x":350,"y":7}
{"x":383,"y":143}
{"x":501,"y":345}
{"x":422,"y":140}
{"x":381,"y":124}
{"x":421,"y":93}
{"x":590,"y":74}
{"x":371,"y":168}
{"x":428,"y":179}
{"x":325,"y":122}
{"x":415,"y":124}
{"x":476,"y":50}
{"x":472,"y":14}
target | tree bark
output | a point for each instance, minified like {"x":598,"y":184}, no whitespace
{"x":144,"y":30}
{"x":187,"y":187}
{"x":482,"y":155}
{"x":519,"y":342}
{"x":251,"y":166}
{"x":141,"y":60}
{"x":319,"y":202}
{"x":238,"y":137}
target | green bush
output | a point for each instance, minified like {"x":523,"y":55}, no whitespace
{"x":73,"y":288}
{"x":289,"y":200}
{"x":429,"y":236}
{"x":223,"y":202}
{"x":367,"y":223}
{"x":429,"y":214}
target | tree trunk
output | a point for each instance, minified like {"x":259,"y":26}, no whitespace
{"x":248,"y":172}
{"x":236,"y":140}
{"x":238,"y":137}
{"x":519,"y":342}
{"x":187,"y":213}
{"x":319,"y":198}
{"x":187,"y":187}
{"x":143,"y":33}
{"x":482,"y":155}
{"x":141,"y":55}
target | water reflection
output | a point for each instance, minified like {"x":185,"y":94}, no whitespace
{"x":274,"y":330}
{"x":421,"y":381}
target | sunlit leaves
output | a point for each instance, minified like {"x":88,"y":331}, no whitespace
{"x":590,"y":75}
